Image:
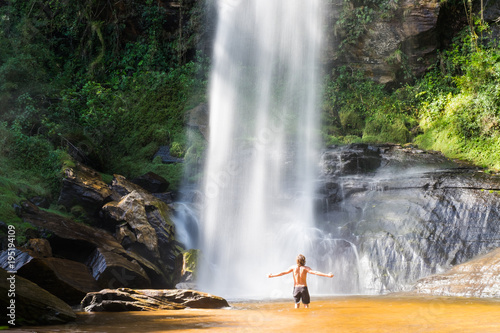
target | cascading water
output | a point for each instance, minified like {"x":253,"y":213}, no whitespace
{"x":263,"y":153}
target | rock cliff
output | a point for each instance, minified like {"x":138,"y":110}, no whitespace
{"x":399,"y":40}
{"x":403,"y":214}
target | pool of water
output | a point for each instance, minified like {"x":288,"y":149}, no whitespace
{"x":331,"y":314}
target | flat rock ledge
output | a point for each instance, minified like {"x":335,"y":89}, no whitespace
{"x":479,"y":277}
{"x":125,"y":299}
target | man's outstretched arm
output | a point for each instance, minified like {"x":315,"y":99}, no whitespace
{"x":320,"y":274}
{"x":280,"y":274}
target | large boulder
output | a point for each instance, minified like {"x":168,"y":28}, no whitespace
{"x":125,"y":299}
{"x":143,"y":226}
{"x":83,"y":186}
{"x":32,"y":304}
{"x":111,"y":270}
{"x":130,"y":213}
{"x":69,"y":280}
{"x":479,"y":277}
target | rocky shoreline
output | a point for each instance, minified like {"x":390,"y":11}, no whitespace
{"x":127,"y":240}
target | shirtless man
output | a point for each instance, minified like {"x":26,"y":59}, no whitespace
{"x":299,"y":280}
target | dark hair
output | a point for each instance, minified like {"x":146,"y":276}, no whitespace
{"x":301,"y":260}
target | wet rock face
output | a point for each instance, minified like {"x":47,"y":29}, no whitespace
{"x":415,"y":215}
{"x":409,"y":28}
{"x":110,"y":263}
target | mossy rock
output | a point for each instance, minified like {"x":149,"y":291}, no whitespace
{"x":190,"y":259}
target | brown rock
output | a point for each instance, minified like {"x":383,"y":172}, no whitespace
{"x":33,"y":305}
{"x":121,"y":186}
{"x":410,"y":31}
{"x":189,"y":298}
{"x":143,"y":226}
{"x":69,"y":280}
{"x":84,"y":187}
{"x":479,"y":277}
{"x":131,"y":209}
{"x":125,"y":299}
{"x":111,"y":270}
{"x":152,"y":182}
{"x":39,"y":247}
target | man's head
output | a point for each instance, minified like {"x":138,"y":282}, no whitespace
{"x":301,"y":260}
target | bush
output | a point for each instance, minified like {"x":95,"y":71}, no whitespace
{"x":461,"y":117}
{"x":365,"y":109}
{"x":381,"y":129}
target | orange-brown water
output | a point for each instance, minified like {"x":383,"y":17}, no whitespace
{"x":334,"y":314}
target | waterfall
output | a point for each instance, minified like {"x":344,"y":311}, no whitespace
{"x":263,"y":151}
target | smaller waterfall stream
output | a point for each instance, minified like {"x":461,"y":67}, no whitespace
{"x":187,"y":225}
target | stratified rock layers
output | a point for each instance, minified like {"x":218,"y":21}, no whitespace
{"x":408,"y":213}
{"x":125,"y":299}
{"x":479,"y":277}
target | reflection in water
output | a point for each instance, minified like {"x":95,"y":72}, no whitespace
{"x":339,"y":314}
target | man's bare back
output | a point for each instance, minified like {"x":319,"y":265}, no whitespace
{"x":300,"y":275}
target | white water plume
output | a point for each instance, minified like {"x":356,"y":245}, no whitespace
{"x":263,"y":151}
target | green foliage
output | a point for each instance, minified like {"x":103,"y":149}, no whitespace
{"x":107,"y":82}
{"x":193,"y":159}
{"x":177,"y":149}
{"x":460,"y":108}
{"x":17,"y":183}
{"x":454,"y":108}
{"x":358,"y":109}
{"x":191,"y":259}
{"x":75,"y":79}
{"x":383,"y":128}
